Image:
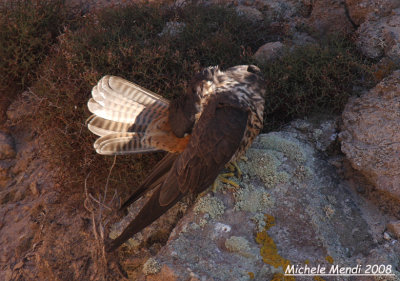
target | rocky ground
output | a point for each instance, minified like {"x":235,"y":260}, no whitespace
{"x":325,"y":190}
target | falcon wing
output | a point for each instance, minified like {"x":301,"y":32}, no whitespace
{"x":215,"y":139}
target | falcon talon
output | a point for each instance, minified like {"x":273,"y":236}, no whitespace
{"x":229,"y":182}
{"x":208,"y":127}
{"x":239,"y":172}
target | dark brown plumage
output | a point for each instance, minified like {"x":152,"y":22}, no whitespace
{"x":212,"y":124}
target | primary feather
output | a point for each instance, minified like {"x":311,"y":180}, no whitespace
{"x":121,"y":110}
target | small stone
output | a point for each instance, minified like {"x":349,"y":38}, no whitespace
{"x":7,"y":150}
{"x":394,"y":229}
{"x":34,"y":188}
{"x":268,"y":51}
{"x":172,"y":28}
{"x":386,"y":236}
{"x":249,"y":12}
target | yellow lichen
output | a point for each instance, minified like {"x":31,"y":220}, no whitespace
{"x":251,"y":274}
{"x":282,"y":277}
{"x":269,"y":251}
{"x":329,"y":259}
{"x":317,"y":278}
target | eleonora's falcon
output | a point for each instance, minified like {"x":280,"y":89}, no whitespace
{"x":206,"y":128}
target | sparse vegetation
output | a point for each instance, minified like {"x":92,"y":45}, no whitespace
{"x":313,"y":79}
{"x":27,"y":30}
{"x":126,"y":42}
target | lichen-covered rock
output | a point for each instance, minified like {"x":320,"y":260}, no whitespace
{"x":283,"y":9}
{"x":361,"y":10}
{"x":268,"y":52}
{"x":329,"y":16}
{"x":172,"y":28}
{"x":291,"y":208}
{"x":381,"y":37}
{"x":249,"y":12}
{"x":370,"y":137}
{"x":7,"y":150}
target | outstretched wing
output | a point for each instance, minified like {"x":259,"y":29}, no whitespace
{"x":215,"y":139}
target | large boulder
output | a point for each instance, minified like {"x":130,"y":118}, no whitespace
{"x":362,"y":10}
{"x":381,"y":37}
{"x":370,"y":137}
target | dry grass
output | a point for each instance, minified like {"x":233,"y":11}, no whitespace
{"x":27,"y":31}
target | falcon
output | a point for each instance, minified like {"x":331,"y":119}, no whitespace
{"x":208,"y":127}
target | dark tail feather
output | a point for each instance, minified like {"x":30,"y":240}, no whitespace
{"x":149,"y":213}
{"x":152,"y":180}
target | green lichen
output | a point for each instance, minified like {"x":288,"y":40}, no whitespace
{"x":302,"y":173}
{"x":239,"y":245}
{"x":151,"y":266}
{"x":265,"y":165}
{"x":290,"y":149}
{"x":259,"y":220}
{"x":210,"y":205}
{"x":253,"y":200}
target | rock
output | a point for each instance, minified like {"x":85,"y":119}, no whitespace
{"x":7,"y":149}
{"x":172,"y":28}
{"x":381,"y":37}
{"x":386,"y":236}
{"x":166,"y":274}
{"x":321,"y":132}
{"x":370,"y":135}
{"x":268,"y":52}
{"x":394,"y":229}
{"x":282,"y":10}
{"x":329,"y":16}
{"x":250,"y":13}
{"x":362,"y":10}
{"x":291,"y":208}
{"x":302,"y":39}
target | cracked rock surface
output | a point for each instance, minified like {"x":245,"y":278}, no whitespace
{"x":292,"y":207}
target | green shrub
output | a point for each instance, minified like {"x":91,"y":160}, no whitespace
{"x":313,"y":79}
